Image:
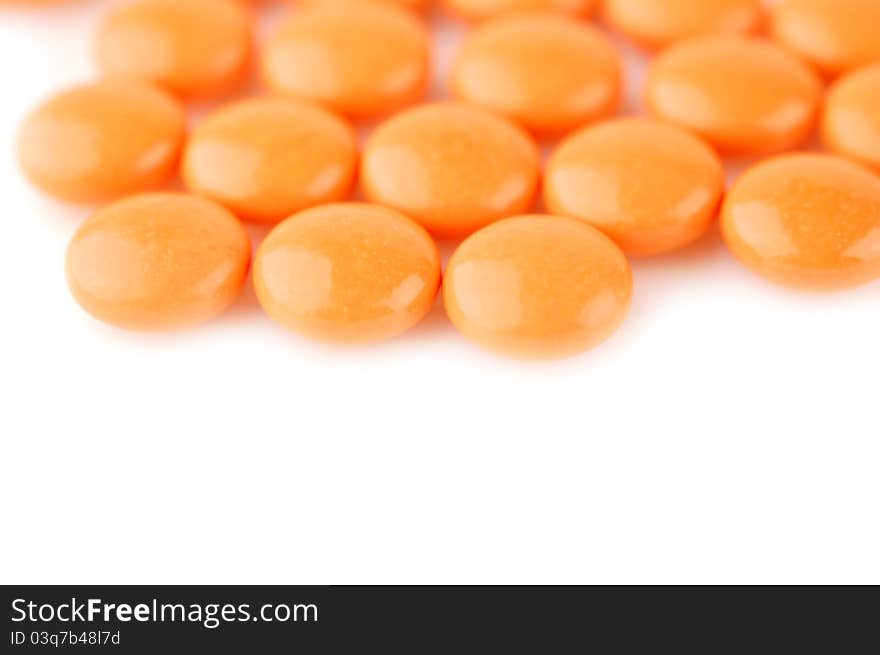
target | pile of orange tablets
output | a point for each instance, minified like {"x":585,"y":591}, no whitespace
{"x":541,"y":264}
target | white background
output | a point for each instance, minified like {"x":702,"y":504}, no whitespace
{"x":728,"y":433}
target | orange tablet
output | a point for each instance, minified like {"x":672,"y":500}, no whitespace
{"x":362,"y":60}
{"x":658,"y":23}
{"x":266,"y":158}
{"x":833,"y":35}
{"x":806,"y":220}
{"x":452,"y":167}
{"x":650,"y":186}
{"x":537,"y":286}
{"x":347,"y":272}
{"x":547,"y":71}
{"x":408,"y":4}
{"x":99,"y":141}
{"x":745,"y":96}
{"x":193,"y":48}
{"x":851,"y":125}
{"x":158,"y":261}
{"x":483,"y":9}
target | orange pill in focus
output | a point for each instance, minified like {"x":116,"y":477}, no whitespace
{"x":833,"y":35}
{"x":548,"y":72}
{"x":101,"y":141}
{"x":266,"y":158}
{"x":658,"y":23}
{"x":650,"y":186}
{"x":806,"y":220}
{"x":851,"y":125}
{"x":347,"y":272}
{"x":158,"y":261}
{"x":537,"y":286}
{"x":745,"y":96}
{"x":360,"y":60}
{"x":452,"y":167}
{"x":193,"y":48}
{"x":483,"y":9}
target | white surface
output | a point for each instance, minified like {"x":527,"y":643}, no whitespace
{"x":728,"y":433}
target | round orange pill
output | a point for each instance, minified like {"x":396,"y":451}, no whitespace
{"x":483,"y":9}
{"x":851,"y":124}
{"x":545,"y":70}
{"x":100,"y":141}
{"x":535,"y":285}
{"x":452,"y":167}
{"x":191,"y":47}
{"x":806,"y":220}
{"x":266,"y":158}
{"x":347,"y":272}
{"x":834,"y":35}
{"x":158,"y":261}
{"x":650,"y":186}
{"x":658,"y":23}
{"x":362,"y":60}
{"x":744,"y":96}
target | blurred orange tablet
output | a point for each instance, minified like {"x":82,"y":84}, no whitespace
{"x":452,"y":167}
{"x":657,"y":23}
{"x":347,"y":272}
{"x":650,"y":186}
{"x":851,"y":125}
{"x":744,"y":96}
{"x":158,"y":261}
{"x":266,"y":158}
{"x":100,"y":141}
{"x":362,"y":60}
{"x":483,"y":9}
{"x":806,"y":220}
{"x":834,"y":35}
{"x":408,"y":4}
{"x":537,"y":285}
{"x":549,"y":72}
{"x":192,"y":47}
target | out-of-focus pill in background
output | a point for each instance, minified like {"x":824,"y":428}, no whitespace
{"x":194,"y":48}
{"x":452,"y":167}
{"x":549,"y":72}
{"x":266,"y":158}
{"x":361,"y":60}
{"x":100,"y":141}
{"x":650,"y":186}
{"x":745,"y":96}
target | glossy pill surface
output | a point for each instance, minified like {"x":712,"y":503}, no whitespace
{"x":658,"y":23}
{"x":194,"y":48}
{"x":100,"y":141}
{"x":266,"y":158}
{"x":745,"y":96}
{"x":362,"y":60}
{"x":806,"y":220}
{"x":158,"y":261}
{"x":834,"y":35}
{"x":650,"y":186}
{"x":484,"y":9}
{"x":549,"y":72}
{"x":452,"y":167}
{"x":347,"y":272}
{"x":537,"y":286}
{"x":851,"y":124}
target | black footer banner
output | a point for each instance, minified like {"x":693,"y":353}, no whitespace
{"x":262,"y":620}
